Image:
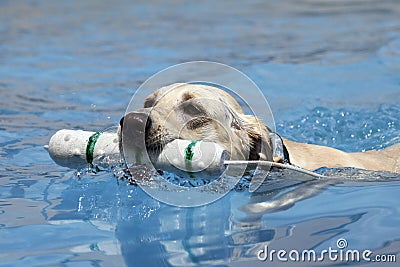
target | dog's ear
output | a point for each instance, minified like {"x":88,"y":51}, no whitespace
{"x":150,"y":100}
{"x":260,"y":143}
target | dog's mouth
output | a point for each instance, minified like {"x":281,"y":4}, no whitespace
{"x":154,"y":145}
{"x":139,"y":131}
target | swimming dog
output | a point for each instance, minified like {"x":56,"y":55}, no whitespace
{"x":204,"y":112}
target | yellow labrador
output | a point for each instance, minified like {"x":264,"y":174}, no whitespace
{"x":202,"y":112}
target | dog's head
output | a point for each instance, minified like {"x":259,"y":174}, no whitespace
{"x":196,"y":112}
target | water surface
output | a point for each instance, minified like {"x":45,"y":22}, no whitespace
{"x":329,"y":69}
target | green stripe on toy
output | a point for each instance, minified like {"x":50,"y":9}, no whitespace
{"x":90,"y":147}
{"x":189,"y":152}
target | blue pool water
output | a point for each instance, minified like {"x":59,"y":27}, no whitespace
{"x":329,"y":69}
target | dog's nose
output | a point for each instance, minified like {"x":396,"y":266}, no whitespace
{"x":135,"y":127}
{"x":136,"y":123}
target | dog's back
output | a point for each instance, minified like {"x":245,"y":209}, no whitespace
{"x":312,"y":157}
{"x":381,"y":160}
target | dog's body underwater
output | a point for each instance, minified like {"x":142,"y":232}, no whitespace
{"x":203,"y":112}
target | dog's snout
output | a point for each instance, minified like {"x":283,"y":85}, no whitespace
{"x":136,"y":122}
{"x":135,"y":127}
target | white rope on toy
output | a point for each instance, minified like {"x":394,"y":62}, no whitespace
{"x":273,"y":164}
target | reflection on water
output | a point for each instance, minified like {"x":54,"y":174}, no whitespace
{"x":224,"y":231}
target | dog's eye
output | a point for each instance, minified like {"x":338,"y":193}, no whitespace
{"x":197,"y":122}
{"x":192,"y":110}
